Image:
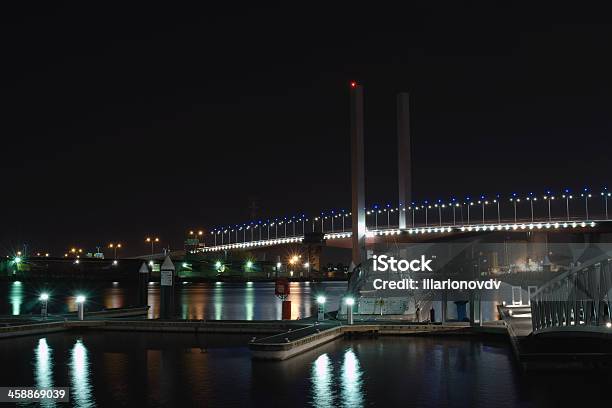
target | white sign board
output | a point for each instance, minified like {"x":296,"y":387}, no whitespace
{"x":166,"y":278}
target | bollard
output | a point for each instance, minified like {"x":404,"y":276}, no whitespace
{"x":167,"y":289}
{"x":143,"y":284}
{"x":286,"y":310}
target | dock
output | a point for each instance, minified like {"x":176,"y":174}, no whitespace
{"x":285,"y":345}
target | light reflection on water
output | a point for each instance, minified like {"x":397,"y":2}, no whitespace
{"x":232,"y":301}
{"x":81,"y":391}
{"x":43,"y":368}
{"x":16,"y":297}
{"x":323,"y":395}
{"x":148,"y":369}
{"x":324,"y":379}
{"x":218,"y":300}
{"x":249,"y":301}
{"x":351,"y":392}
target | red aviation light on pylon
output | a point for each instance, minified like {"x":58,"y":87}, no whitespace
{"x":353,"y":84}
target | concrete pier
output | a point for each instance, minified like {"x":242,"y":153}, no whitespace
{"x":289,"y":344}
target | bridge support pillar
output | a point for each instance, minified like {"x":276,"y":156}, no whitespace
{"x":404,"y":158}
{"x":357,"y":175}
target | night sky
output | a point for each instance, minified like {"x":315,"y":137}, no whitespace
{"x":122,"y":122}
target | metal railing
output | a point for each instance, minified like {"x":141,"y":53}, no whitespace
{"x":579,"y":299}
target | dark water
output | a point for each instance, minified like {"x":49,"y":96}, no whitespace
{"x":226,"y":301}
{"x":170,"y":370}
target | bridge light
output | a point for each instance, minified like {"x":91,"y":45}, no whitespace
{"x":349,"y":301}
{"x":609,"y":325}
{"x":321,"y":299}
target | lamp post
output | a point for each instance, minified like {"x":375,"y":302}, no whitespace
{"x":468,"y":203}
{"x":549,"y":197}
{"x":321,"y":312}
{"x":454,"y":204}
{"x":114,"y":247}
{"x":514,"y":200}
{"x":349,"y":309}
{"x":605,"y":194}
{"x":387,"y":210}
{"x":44,"y":299}
{"x":80,"y":301}
{"x":567,"y":197}
{"x":153,"y":241}
{"x":586,"y":196}
{"x":496,"y":201}
{"x":375,"y":216}
{"x":531,"y":199}
{"x":483,"y":202}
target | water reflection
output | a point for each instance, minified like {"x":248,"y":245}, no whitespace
{"x":249,"y":301}
{"x":236,"y":301}
{"x":351,"y":392}
{"x":16,"y":297}
{"x":81,"y":391}
{"x":218,"y":293}
{"x":43,"y":368}
{"x":114,"y":297}
{"x":321,"y":378}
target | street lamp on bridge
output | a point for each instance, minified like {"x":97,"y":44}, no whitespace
{"x":152,"y":241}
{"x":605,"y":194}
{"x":114,"y":247}
{"x":586,"y":194}
{"x":567,"y":197}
